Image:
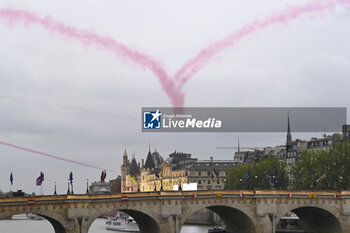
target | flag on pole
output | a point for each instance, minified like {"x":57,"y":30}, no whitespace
{"x":131,"y":178}
{"x":249,"y":173}
{"x":295,"y":175}
{"x":322,"y":177}
{"x":213,"y":173}
{"x":11,"y":178}
{"x":40,"y":179}
{"x":71,"y":178}
{"x":217,"y":176}
{"x":276,"y":176}
{"x":134,"y":175}
{"x":103,"y":176}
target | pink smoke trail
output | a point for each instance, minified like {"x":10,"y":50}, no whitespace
{"x":13,"y":16}
{"x":191,"y":67}
{"x":52,"y":156}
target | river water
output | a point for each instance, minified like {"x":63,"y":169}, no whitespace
{"x":43,"y":226}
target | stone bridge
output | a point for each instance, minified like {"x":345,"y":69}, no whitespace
{"x":165,"y":212}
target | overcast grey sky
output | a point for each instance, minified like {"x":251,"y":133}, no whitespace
{"x":303,"y":63}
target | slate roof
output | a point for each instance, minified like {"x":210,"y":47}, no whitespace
{"x":149,"y":161}
{"x":134,"y":168}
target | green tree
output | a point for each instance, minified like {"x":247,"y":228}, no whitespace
{"x":323,"y":169}
{"x":262,"y":175}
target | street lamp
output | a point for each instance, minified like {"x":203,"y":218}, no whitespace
{"x":161,"y":178}
{"x":138,"y":186}
{"x":87,"y":186}
{"x":68,"y":191}
{"x":256,"y":181}
{"x":155,"y":187}
{"x":240,"y":183}
{"x":341,"y":182}
{"x":180,"y":189}
{"x":55,"y":193}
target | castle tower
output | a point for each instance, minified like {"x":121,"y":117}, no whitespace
{"x":125,"y":158}
{"x":124,"y":171}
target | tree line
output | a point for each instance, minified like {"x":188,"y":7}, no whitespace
{"x":323,"y":169}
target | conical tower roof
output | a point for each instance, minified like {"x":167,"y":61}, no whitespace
{"x":134,"y":168}
{"x":149,"y":161}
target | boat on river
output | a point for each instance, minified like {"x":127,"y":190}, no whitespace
{"x":122,"y":223}
{"x":290,"y":224}
{"x":216,"y":229}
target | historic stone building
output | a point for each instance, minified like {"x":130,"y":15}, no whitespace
{"x":325,"y":142}
{"x":292,"y":150}
{"x":346,"y":132}
{"x":130,"y":171}
{"x":210,"y":174}
{"x":180,"y":169}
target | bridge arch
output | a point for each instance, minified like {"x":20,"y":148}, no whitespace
{"x":55,"y":220}
{"x":235,"y":218}
{"x":144,"y":219}
{"x":316,"y":219}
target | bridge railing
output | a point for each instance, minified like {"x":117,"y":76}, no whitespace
{"x":176,"y":195}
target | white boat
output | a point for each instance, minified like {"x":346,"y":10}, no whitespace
{"x":26,"y":217}
{"x":290,"y":224}
{"x":125,"y":224}
{"x":35,"y":217}
{"x":20,"y":217}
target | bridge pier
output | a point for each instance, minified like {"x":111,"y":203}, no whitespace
{"x":345,"y":223}
{"x":171,"y":224}
{"x":73,"y":226}
{"x":264,"y":224}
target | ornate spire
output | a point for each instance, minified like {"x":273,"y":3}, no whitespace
{"x":125,"y":157}
{"x":125,"y":154}
{"x":289,"y":135}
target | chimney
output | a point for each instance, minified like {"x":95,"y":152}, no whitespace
{"x":143,"y":162}
{"x":138,"y":164}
